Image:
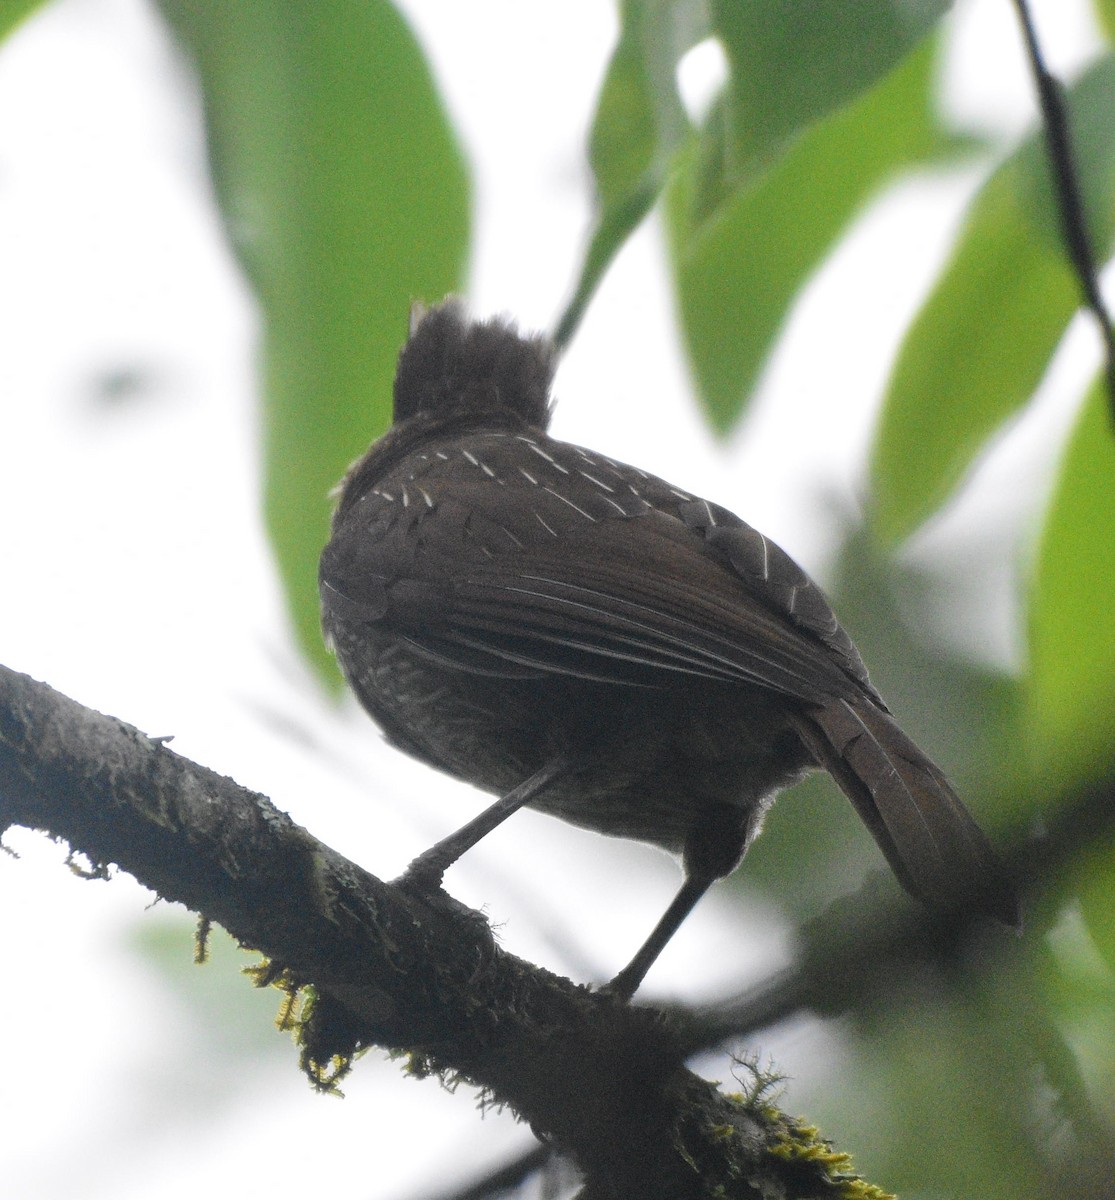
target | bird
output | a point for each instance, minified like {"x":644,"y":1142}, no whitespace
{"x":574,"y":634}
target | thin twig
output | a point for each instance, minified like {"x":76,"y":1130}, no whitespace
{"x":1074,"y":227}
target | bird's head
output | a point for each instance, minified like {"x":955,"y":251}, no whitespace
{"x":454,"y":366}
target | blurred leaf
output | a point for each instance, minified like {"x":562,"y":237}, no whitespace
{"x":793,"y":63}
{"x":13,"y":13}
{"x":1078,"y":989}
{"x":1105,"y":17}
{"x":1071,"y":685}
{"x":981,"y":343}
{"x":639,"y":120}
{"x":220,"y":1009}
{"x":790,"y":65}
{"x":739,"y":268}
{"x":959,"y":1064}
{"x":1097,"y":887}
{"x":638,"y":126}
{"x":345,"y":195}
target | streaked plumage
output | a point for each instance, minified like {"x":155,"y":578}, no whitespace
{"x":499,"y":599}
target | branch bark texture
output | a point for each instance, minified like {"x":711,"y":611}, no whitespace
{"x":604,"y":1082}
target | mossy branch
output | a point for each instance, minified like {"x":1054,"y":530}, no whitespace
{"x":603,"y":1082}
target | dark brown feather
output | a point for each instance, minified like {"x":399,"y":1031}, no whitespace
{"x":501,"y":600}
{"x":933,"y":845}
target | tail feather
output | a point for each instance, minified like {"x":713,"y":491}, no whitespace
{"x":933,"y":845}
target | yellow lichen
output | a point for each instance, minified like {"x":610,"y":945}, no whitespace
{"x":801,"y":1144}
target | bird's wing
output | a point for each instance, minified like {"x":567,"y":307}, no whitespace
{"x":568,"y":562}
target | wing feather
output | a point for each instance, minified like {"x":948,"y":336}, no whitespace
{"x":580,"y":567}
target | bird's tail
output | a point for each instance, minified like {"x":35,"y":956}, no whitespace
{"x":933,"y":845}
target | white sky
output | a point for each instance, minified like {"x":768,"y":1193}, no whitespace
{"x":138,"y":581}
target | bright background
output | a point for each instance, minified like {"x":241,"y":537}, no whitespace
{"x":137,"y":577}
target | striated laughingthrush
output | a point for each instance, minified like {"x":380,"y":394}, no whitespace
{"x":575,"y":634}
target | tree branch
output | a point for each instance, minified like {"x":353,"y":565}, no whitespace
{"x":1066,"y":183}
{"x":850,"y":954}
{"x":602,"y":1082}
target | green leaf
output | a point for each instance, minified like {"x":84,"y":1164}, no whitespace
{"x":793,"y":63}
{"x":1076,"y":987}
{"x":639,"y":125}
{"x":741,"y":255}
{"x":346,"y":197}
{"x":1105,"y":17}
{"x":230,"y":1021}
{"x":14,"y":12}
{"x":985,"y":336}
{"x":1071,"y":684}
{"x":1095,"y":885}
{"x":942,"y":1064}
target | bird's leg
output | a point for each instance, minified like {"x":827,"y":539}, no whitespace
{"x":426,"y":870}
{"x":627,"y":982}
{"x":713,"y":848}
